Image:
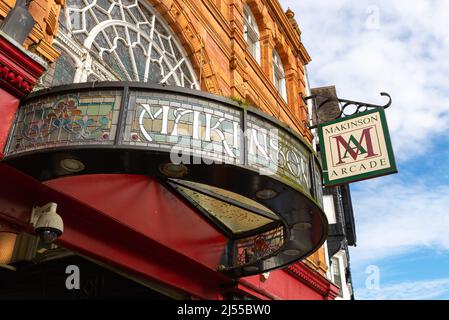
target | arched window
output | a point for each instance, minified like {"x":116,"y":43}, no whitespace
{"x":279,"y":75}
{"x":123,"y":40}
{"x":251,"y":33}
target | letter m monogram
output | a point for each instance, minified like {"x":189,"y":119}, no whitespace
{"x":354,"y":148}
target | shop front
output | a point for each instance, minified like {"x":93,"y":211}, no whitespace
{"x":169,"y":184}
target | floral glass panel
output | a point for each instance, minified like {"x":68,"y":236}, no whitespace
{"x":68,"y":119}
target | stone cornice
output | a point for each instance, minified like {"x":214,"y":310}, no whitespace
{"x":313,"y":280}
{"x":221,"y":19}
{"x":61,"y":37}
{"x":304,"y":55}
{"x":291,"y":34}
{"x":283,"y":21}
{"x":19,"y":69}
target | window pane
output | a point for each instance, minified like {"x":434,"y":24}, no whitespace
{"x":337,"y":275}
{"x":251,"y":33}
{"x":279,"y":75}
{"x":124,"y":45}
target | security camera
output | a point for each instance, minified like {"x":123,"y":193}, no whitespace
{"x":47,"y":223}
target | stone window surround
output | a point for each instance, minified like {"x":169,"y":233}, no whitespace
{"x":270,"y":42}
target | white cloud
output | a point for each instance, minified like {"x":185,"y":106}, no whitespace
{"x":394,"y":219}
{"x":406,"y":56}
{"x":419,"y":290}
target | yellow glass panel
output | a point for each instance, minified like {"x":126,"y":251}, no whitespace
{"x":228,"y":194}
{"x":236,"y":219}
{"x":7,"y":242}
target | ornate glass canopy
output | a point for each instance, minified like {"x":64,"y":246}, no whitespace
{"x":255,"y":180}
{"x":117,"y":40}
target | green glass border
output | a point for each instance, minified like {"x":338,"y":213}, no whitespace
{"x":359,"y":177}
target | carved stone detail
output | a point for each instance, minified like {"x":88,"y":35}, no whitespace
{"x":19,"y":71}
{"x":313,"y":280}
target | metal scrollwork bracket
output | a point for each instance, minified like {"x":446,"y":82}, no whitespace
{"x":347,"y":107}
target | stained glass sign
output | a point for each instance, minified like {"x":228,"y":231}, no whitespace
{"x":68,"y":119}
{"x":241,"y":168}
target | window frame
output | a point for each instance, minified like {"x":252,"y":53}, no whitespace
{"x":279,"y":75}
{"x":337,"y":275}
{"x":251,"y":33}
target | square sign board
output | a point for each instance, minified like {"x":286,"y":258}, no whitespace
{"x":356,"y":148}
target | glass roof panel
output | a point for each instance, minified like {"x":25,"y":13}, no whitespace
{"x":227,"y":194}
{"x":234,"y":218}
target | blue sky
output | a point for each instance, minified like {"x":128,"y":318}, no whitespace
{"x":401,"y":47}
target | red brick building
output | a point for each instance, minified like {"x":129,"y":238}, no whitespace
{"x":137,"y":86}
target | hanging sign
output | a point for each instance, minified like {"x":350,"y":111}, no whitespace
{"x":356,"y":148}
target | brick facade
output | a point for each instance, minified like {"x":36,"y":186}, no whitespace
{"x":212,"y":33}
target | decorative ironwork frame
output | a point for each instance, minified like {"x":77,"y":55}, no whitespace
{"x":344,"y":105}
{"x":256,"y":248}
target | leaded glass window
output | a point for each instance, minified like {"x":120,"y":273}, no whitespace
{"x":122,"y":40}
